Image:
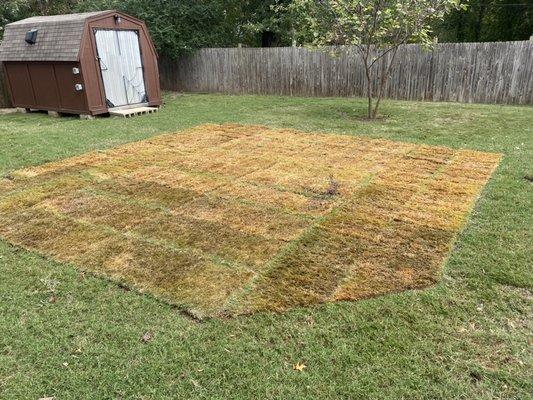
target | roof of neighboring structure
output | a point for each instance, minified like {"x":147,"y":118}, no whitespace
{"x":58,"y":39}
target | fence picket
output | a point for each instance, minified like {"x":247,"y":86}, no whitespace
{"x":466,"y":72}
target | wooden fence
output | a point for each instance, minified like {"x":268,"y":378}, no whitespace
{"x":500,"y":72}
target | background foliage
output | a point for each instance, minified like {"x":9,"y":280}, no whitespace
{"x":182,"y":25}
{"x":177,"y":26}
{"x":488,"y":21}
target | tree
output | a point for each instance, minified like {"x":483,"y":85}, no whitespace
{"x":179,"y":26}
{"x":265,"y":23}
{"x":175,"y":26}
{"x":488,"y":21}
{"x":374,"y":28}
{"x":13,"y":10}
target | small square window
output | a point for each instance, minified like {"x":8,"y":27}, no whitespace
{"x":31,"y":36}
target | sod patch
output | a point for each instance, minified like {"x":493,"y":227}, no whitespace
{"x":228,"y":219}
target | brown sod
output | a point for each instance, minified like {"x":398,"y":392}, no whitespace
{"x":228,"y":219}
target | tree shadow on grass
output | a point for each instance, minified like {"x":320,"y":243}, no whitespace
{"x":333,"y":113}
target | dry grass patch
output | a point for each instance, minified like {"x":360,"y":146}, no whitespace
{"x":229,"y":219}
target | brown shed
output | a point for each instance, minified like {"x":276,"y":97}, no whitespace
{"x":87,"y":63}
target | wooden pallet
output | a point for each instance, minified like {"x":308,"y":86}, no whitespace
{"x":5,"y":111}
{"x":131,"y":112}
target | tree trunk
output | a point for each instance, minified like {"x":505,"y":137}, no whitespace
{"x":479,"y":22}
{"x":383,"y":82}
{"x":369,"y":90}
{"x":368,"y":73}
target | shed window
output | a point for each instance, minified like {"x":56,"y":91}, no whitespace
{"x":31,"y":36}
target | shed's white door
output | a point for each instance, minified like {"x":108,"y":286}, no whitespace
{"x":121,"y":66}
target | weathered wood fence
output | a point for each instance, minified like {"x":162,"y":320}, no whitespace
{"x":500,"y":72}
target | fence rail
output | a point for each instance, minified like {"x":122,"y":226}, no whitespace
{"x":498,"y":72}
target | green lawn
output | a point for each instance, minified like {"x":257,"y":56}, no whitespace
{"x":73,"y":336}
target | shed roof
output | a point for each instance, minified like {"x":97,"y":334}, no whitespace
{"x":59,"y":38}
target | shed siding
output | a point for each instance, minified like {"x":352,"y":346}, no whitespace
{"x":151,"y":71}
{"x":20,"y":84}
{"x":94,"y":89}
{"x":46,"y":85}
{"x":70,"y":99}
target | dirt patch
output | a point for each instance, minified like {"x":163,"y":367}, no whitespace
{"x":228,"y":219}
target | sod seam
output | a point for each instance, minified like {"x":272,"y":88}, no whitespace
{"x":269,"y":219}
